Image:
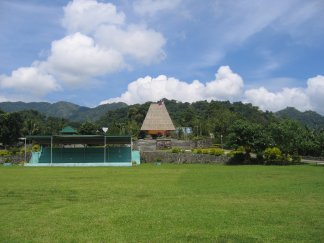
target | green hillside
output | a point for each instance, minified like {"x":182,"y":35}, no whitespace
{"x":309,"y":118}
{"x":62,"y":109}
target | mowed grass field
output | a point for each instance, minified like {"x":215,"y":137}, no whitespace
{"x":167,"y":203}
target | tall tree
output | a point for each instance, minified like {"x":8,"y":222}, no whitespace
{"x":88,"y":128}
{"x":10,"y":128}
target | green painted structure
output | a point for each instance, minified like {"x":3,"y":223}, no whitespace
{"x":68,"y":131}
{"x":79,"y":150}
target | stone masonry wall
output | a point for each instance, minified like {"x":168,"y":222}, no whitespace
{"x":151,"y":145}
{"x":182,"y":158}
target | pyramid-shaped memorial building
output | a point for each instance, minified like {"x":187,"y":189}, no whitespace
{"x":157,"y":120}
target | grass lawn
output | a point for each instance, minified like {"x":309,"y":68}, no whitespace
{"x":167,"y":203}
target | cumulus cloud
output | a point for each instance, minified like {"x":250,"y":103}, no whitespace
{"x":87,"y":15}
{"x":315,"y":92}
{"x":3,"y":98}
{"x":99,"y":42}
{"x":76,"y":57}
{"x":30,"y":80}
{"x":275,"y":101}
{"x":310,"y":98}
{"x":138,"y":42}
{"x":152,"y":7}
{"x":226,"y":86}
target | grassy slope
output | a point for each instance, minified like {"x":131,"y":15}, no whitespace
{"x":162,"y":203}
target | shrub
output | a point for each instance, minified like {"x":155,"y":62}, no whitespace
{"x":216,"y":151}
{"x":4,"y":153}
{"x":176,"y":150}
{"x":36,"y":148}
{"x":274,"y":156}
{"x":205,"y":151}
{"x":296,"y":158}
{"x":259,"y":158}
{"x":199,"y":151}
{"x":236,"y":158}
{"x":240,"y":149}
{"x":14,"y":150}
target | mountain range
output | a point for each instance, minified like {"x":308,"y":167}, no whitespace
{"x":77,"y":113}
{"x":63,"y":109}
{"x":309,"y":118}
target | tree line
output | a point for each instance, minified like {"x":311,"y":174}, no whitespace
{"x":232,"y":125}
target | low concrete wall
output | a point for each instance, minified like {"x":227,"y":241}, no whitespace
{"x":182,"y":158}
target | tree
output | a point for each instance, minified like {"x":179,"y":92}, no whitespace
{"x":287,"y":135}
{"x":10,"y":128}
{"x":88,"y":128}
{"x":252,"y":136}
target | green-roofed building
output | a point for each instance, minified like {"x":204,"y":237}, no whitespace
{"x":70,"y":149}
{"x":68,"y":131}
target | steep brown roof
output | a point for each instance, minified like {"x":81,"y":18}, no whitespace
{"x":157,"y":118}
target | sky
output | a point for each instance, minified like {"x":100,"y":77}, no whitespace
{"x":266,"y":52}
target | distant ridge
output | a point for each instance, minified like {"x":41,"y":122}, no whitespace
{"x":309,"y":118}
{"x":63,"y":109}
{"x":74,"y":112}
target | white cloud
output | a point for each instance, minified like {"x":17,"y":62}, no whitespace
{"x":311,"y":98}
{"x":275,"y":101}
{"x":30,"y":80}
{"x":142,"y":44}
{"x":152,"y":7}
{"x":99,"y":42}
{"x":3,"y":98}
{"x":76,"y":58}
{"x":87,"y":15}
{"x":315,"y":92}
{"x":226,"y":86}
{"x":108,"y":28}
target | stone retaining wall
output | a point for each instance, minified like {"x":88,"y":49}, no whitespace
{"x":152,"y":145}
{"x":182,"y":158}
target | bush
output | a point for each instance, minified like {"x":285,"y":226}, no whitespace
{"x":216,"y":151}
{"x":296,"y":158}
{"x":205,"y":151}
{"x":274,"y":156}
{"x":236,"y":157}
{"x":259,"y":159}
{"x":4,"y":153}
{"x":240,"y":149}
{"x":199,"y":151}
{"x":14,"y":150}
{"x":36,"y":148}
{"x":176,"y":150}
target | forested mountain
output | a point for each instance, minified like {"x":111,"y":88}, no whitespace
{"x":204,"y":117}
{"x":183,"y":114}
{"x":309,"y":118}
{"x":62,"y":109}
{"x":231,"y":124}
{"x":236,"y":123}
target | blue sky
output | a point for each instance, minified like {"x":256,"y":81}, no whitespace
{"x":268,"y":53}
